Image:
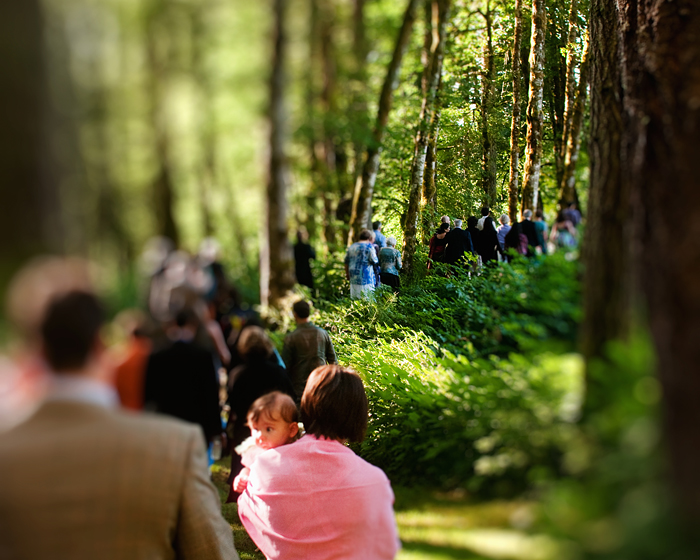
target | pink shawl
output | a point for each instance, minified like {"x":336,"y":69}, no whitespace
{"x":316,"y":500}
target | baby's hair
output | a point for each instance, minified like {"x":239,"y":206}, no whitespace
{"x":275,"y":405}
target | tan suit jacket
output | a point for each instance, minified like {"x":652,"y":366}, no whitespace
{"x":82,"y":482}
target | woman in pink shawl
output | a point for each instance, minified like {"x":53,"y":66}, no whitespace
{"x":315,"y":499}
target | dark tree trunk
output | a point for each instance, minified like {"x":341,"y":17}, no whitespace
{"x":28,"y":184}
{"x":488,"y":149}
{"x":364,"y":186}
{"x":429,"y":194}
{"x":533,"y":149}
{"x":358,"y":108}
{"x":276,"y":258}
{"x":514,"y":179}
{"x":436,"y":16}
{"x":661,"y":76}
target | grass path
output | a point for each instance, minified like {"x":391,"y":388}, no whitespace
{"x":437,"y":526}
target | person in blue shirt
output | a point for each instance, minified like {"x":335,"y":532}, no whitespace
{"x":379,"y":238}
{"x":358,"y":266}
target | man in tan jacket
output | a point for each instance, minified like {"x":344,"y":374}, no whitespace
{"x":82,"y":480}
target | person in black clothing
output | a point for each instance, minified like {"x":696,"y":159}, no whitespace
{"x":527,"y":228}
{"x":488,"y":237}
{"x":303,"y":253}
{"x":475,"y":234}
{"x":181,"y":380}
{"x":458,"y":243}
{"x":258,"y":375}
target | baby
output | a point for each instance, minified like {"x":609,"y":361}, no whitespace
{"x":273,"y":421}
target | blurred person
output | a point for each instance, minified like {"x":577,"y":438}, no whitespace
{"x":303,"y":253}
{"x":379,"y":238}
{"x":473,"y":230}
{"x":390,"y":263}
{"x":563,"y":232}
{"x":436,"y":248}
{"x":572,"y":213}
{"x":258,"y":375}
{"x":181,"y":380}
{"x":459,"y":242}
{"x":541,"y":231}
{"x":527,"y":228}
{"x":130,"y":368}
{"x":503,"y":230}
{"x":119,"y":485}
{"x":305,"y":348}
{"x":488,"y":236}
{"x":359,"y":269}
{"x":316,"y":499}
{"x":273,"y":420}
{"x":445,"y":220}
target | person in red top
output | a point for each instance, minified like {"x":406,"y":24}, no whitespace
{"x":130,"y":371}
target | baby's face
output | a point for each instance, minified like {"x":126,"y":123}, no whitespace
{"x":270,"y":433}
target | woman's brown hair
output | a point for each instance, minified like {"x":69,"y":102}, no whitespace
{"x":334,"y":404}
{"x":254,"y":342}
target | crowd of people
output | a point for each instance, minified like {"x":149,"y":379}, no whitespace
{"x":113,"y":459}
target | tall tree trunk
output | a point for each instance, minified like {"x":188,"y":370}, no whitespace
{"x":28,"y":185}
{"x":567,"y":188}
{"x":661,"y":76}
{"x":364,"y":186}
{"x":276,"y":258}
{"x":514,"y":178}
{"x":429,"y":196}
{"x":358,"y":107}
{"x":607,"y":277}
{"x":533,"y":150}
{"x":436,"y":16}
{"x":488,"y":154}
{"x":162,"y":184}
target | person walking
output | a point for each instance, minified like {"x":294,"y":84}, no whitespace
{"x":390,"y":263}
{"x":459,"y":242}
{"x":306,"y":348}
{"x":359,"y":271}
{"x":436,"y":249}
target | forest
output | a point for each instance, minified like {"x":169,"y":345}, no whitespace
{"x":553,"y":397}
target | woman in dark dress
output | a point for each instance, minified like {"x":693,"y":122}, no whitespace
{"x":258,"y":375}
{"x":303,"y":253}
{"x":472,"y":222}
{"x":436,"y":251}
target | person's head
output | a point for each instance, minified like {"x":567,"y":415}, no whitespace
{"x":377,"y":226}
{"x":444,"y":228}
{"x":301,"y":310}
{"x":391,"y":241}
{"x":445,"y":220}
{"x":334,"y":404}
{"x":458,"y":224}
{"x":70,"y":331}
{"x":504,"y":219}
{"x":561,"y":217}
{"x":527,"y":214}
{"x":472,"y":221}
{"x":539,"y":215}
{"x":254,"y":343}
{"x":273,"y":420}
{"x":302,"y":235}
{"x":365,"y":235}
{"x":485,"y":211}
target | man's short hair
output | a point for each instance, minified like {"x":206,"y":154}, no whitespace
{"x":376,"y":225}
{"x":70,"y":329}
{"x":254,"y":342}
{"x":527,"y":214}
{"x":334,"y":404}
{"x":485,"y":211}
{"x":445,"y":219}
{"x":302,"y":309}
{"x":504,"y":219}
{"x":458,"y":224}
{"x":365,"y":235}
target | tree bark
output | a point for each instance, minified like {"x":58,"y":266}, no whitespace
{"x":488,"y":153}
{"x":567,"y":188}
{"x":276,"y":258}
{"x":571,"y":89}
{"x":364,"y":186}
{"x":429,"y":194}
{"x":514,"y":178}
{"x":436,"y":12}
{"x":533,"y":150}
{"x":661,"y":76}
{"x":28,"y":183}
{"x":358,"y":107}
{"x":607,"y":276}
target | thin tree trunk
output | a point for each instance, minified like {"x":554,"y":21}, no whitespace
{"x":162,"y":185}
{"x":364,"y":186}
{"x":661,"y":75}
{"x":436,"y":16}
{"x":277,"y":260}
{"x":359,"y":119}
{"x":488,"y":154}
{"x":514,"y":179}
{"x":607,"y":277}
{"x":429,"y":195}
{"x":28,"y":187}
{"x":571,"y":89}
{"x":533,"y":150}
{"x":567,"y":189}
